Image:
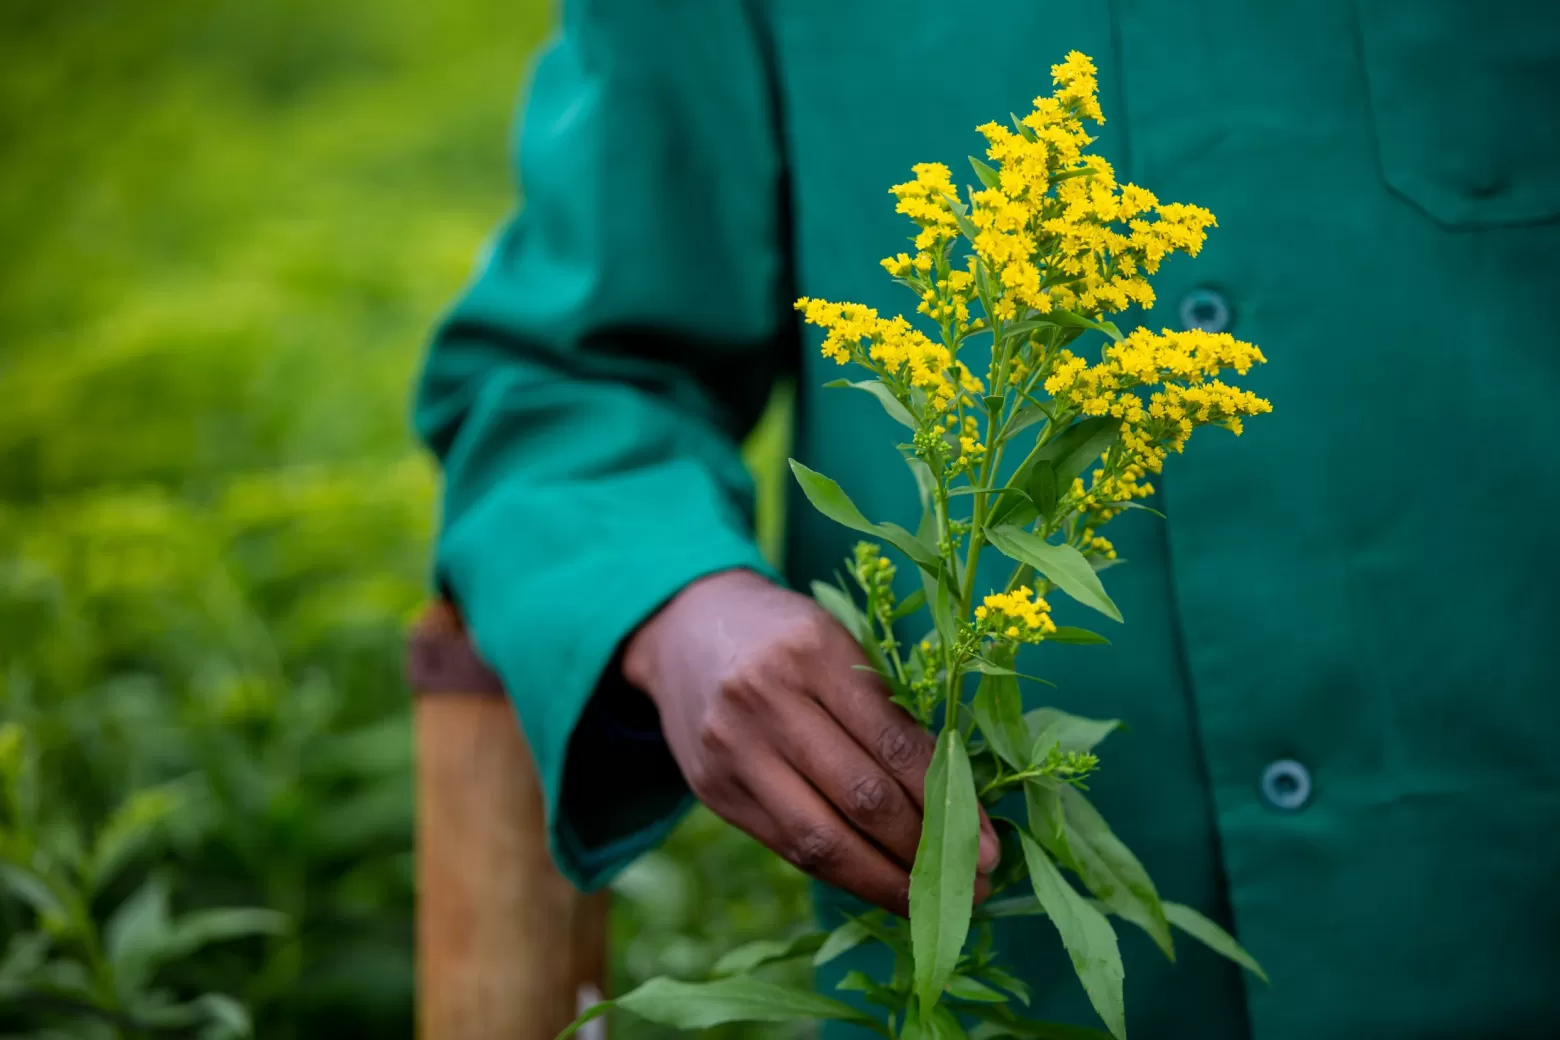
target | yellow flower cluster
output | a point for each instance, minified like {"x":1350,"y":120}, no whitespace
{"x":1020,"y":615}
{"x":925,"y":201}
{"x":890,"y":346}
{"x":1055,"y":229}
{"x":1103,"y":500}
{"x":1184,"y":365}
{"x":971,"y":450}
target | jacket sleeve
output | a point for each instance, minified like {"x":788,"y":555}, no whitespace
{"x":587,"y":394}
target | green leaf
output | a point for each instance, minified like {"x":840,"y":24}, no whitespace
{"x":1043,"y":800}
{"x":1042,"y":486}
{"x":1212,"y":936}
{"x":1007,"y":980}
{"x":126,"y":831}
{"x":926,"y":488}
{"x":885,"y":397}
{"x":1139,"y":505}
{"x":856,"y":982}
{"x":939,"y":593}
{"x":137,"y":933}
{"x":201,"y":928}
{"x":1066,"y":317}
{"x":963,"y":987}
{"x":223,"y":1017}
{"x":830,"y":500}
{"x":1073,"y":732}
{"x":1087,"y":935}
{"x":985,"y":174}
{"x":751,"y":956}
{"x":959,"y":211}
{"x":942,"y":882}
{"x":942,"y":1025}
{"x":1009,"y":1024}
{"x":1077,"y":636}
{"x":985,"y":667}
{"x":1110,"y":871}
{"x":846,"y":937}
{"x":999,"y":711}
{"x":844,"y":610}
{"x":24,"y":954}
{"x":701,"y":1005}
{"x":30,"y":889}
{"x":1062,"y":564}
{"x":1070,"y":452}
{"x":888,"y":931}
{"x":1023,"y":131}
{"x":838,"y":603}
{"x":1013,"y":906}
{"x":909,"y":605}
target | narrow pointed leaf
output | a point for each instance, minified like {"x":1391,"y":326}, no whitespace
{"x":985,"y":667}
{"x":1072,"y":732}
{"x":830,"y":500}
{"x":909,"y":605}
{"x":1010,"y":1024}
{"x":1110,"y":871}
{"x":965,"y":988}
{"x":1013,"y":906}
{"x":1062,"y":564}
{"x":1212,"y":936}
{"x":846,"y":937}
{"x":751,"y":956}
{"x":999,"y":711}
{"x":1088,"y":937}
{"x":1069,"y":452}
{"x":1076,"y":636}
{"x":844,"y":610}
{"x":1042,"y":486}
{"x":885,"y":397}
{"x":701,"y":1005}
{"x":847,"y":613}
{"x":1043,"y":800}
{"x":30,"y":889}
{"x":1008,"y":981}
{"x":939,"y":596}
{"x":1066,"y":317}
{"x":942,"y":882}
{"x":985,"y":174}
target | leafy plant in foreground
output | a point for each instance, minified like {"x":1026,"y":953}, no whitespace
{"x":1036,"y":258}
{"x":100,"y":979}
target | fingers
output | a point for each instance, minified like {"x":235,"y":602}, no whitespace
{"x":858,"y":701}
{"x":806,"y":831}
{"x":850,"y":779}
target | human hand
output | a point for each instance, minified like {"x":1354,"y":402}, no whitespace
{"x":778,"y":732}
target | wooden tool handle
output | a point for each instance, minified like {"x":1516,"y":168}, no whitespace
{"x":507,"y":949}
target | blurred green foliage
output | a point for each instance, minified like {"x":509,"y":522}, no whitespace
{"x":227,"y":228}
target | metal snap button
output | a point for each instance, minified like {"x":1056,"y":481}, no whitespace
{"x":1286,"y":785}
{"x":1205,"y":309}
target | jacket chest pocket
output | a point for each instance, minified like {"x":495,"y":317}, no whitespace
{"x":1465,"y":98}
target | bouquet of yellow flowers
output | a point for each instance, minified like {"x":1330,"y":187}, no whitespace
{"x":1032,"y":261}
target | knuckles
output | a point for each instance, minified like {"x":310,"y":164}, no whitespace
{"x":816,"y":849}
{"x":871,"y":798}
{"x":901,"y":749}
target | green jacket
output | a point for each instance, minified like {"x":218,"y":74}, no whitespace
{"x":1341,"y":666}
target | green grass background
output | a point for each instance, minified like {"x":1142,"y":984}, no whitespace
{"x":227,"y":228}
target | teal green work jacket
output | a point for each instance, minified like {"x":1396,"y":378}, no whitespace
{"x":1341,"y":661}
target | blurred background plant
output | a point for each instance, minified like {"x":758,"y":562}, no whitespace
{"x":228,"y":226}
